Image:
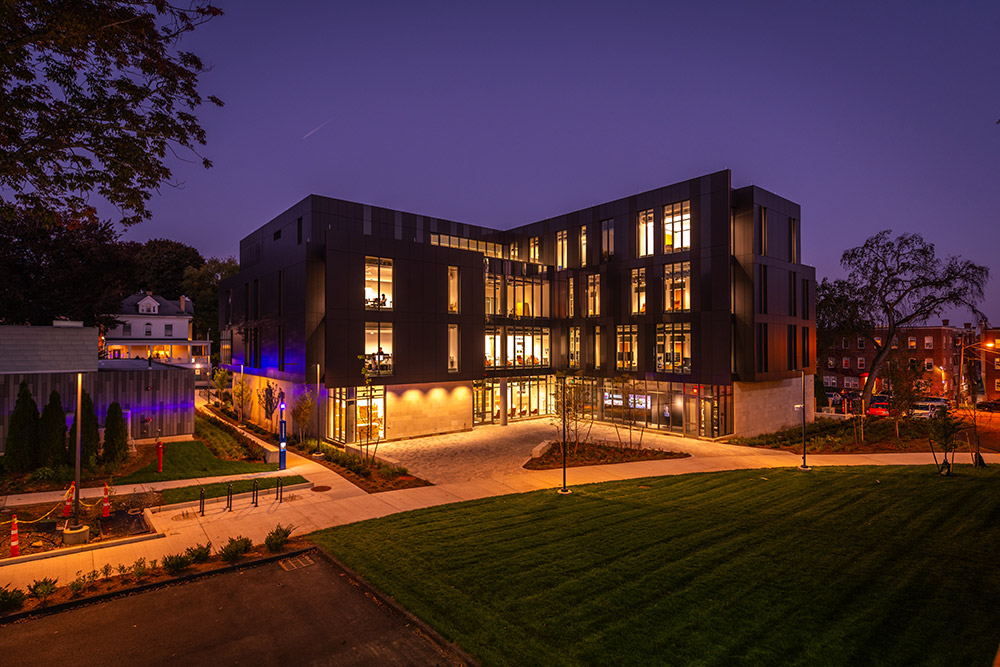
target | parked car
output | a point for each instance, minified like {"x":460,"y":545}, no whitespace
{"x":879,"y":406}
{"x":989,"y":406}
{"x":834,"y":398}
{"x":925,"y":408}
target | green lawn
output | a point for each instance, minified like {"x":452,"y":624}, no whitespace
{"x":840,"y":566}
{"x":219,"y":489}
{"x":185,"y":460}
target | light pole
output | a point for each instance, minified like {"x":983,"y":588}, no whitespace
{"x":804,"y":467}
{"x":79,"y":439}
{"x":317,"y":409}
{"x":983,"y":346}
{"x":564,"y":490}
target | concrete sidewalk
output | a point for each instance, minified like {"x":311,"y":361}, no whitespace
{"x":344,"y":503}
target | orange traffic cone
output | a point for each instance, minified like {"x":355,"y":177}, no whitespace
{"x":68,"y":507}
{"x":15,"y":550}
{"x":107,"y":505}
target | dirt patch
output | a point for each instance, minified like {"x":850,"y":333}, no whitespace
{"x":596,"y":453}
{"x":376,"y":481}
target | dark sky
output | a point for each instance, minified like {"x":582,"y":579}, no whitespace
{"x":871,"y":115}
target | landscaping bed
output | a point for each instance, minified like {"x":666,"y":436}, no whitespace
{"x":596,"y":453}
{"x":124,"y":579}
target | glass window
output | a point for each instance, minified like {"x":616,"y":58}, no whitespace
{"x":127,"y":329}
{"x":534,"y":249}
{"x":574,"y":347}
{"x":895,"y":343}
{"x":493,"y":292}
{"x":626,"y":347}
{"x":149,"y":328}
{"x":593,"y":295}
{"x":861,"y":363}
{"x":562,"y":250}
{"x":846,"y":362}
{"x":494,"y":348}
{"x":638,"y":291}
{"x":607,"y":239}
{"x":583,"y":246}
{"x":673,"y":348}
{"x":168,"y":330}
{"x":831,"y":362}
{"x":911,"y":342}
{"x":861,"y":343}
{"x":570,"y":299}
{"x":929,"y":364}
{"x":677,"y":226}
{"x":829,"y":380}
{"x":515,"y":250}
{"x":452,"y":348}
{"x":644,"y":233}
{"x":378,"y":348}
{"x":598,"y":349}
{"x":378,"y":283}
{"x":677,"y":286}
{"x":928,"y":342}
{"x":453,"y":289}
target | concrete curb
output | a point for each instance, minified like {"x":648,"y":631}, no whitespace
{"x":142,"y":588}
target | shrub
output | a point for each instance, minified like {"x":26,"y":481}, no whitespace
{"x":236,"y":547}
{"x":11,"y":598}
{"x":62,"y":473}
{"x":199,"y":553}
{"x":41,"y":589}
{"x":76,"y":586}
{"x":177,"y":563}
{"x":22,"y":434}
{"x":106,"y":571}
{"x":139,"y":568}
{"x":122,"y":571}
{"x":277,"y":538}
{"x":115,"y":435}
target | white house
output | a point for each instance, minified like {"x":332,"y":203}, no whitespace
{"x":157,"y":328}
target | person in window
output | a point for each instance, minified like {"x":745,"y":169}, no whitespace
{"x":382,"y":304}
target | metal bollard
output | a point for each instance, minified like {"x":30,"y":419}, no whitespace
{"x":279,"y":491}
{"x":229,"y":498}
{"x":256,"y":485}
{"x":202,"y":506}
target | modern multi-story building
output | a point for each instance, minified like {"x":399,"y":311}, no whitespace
{"x":936,"y":350}
{"x":686,"y":306}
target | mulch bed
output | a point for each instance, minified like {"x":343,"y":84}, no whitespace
{"x":597,"y":453}
{"x":376,"y":482}
{"x":13,"y":484}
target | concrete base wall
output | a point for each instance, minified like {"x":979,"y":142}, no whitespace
{"x":425,"y":409}
{"x":764,"y":407}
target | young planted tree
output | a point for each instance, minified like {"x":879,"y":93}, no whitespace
{"x":908,"y":385}
{"x":267,"y":399}
{"x":302,"y":412}
{"x":893,"y":283}
{"x":52,"y":433}
{"x":944,"y":430}
{"x":90,"y":443}
{"x":368,"y":454}
{"x":220,"y":382}
{"x":115,"y":436}
{"x":21,"y":451}
{"x":242,"y":395}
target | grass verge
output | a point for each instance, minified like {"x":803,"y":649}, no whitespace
{"x":186,"y":460}
{"x":185,"y":493}
{"x":840,"y":566}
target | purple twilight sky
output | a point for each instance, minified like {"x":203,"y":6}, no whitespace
{"x":870,"y":115}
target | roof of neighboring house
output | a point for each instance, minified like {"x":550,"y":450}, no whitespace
{"x":48,"y":349}
{"x":130,"y":305}
{"x":135,"y":365}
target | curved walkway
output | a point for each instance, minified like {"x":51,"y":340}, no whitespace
{"x":464,"y":466}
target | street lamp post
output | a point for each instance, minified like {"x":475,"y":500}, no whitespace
{"x":317,"y":409}
{"x":804,"y":467}
{"x":982,"y":347}
{"x":564,"y":490}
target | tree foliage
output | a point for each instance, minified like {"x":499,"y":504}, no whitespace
{"x":202,"y":285}
{"x":267,"y":399}
{"x":96,"y":94}
{"x":242,"y":395}
{"x":75,"y":270}
{"x":21,"y":446}
{"x":907,"y":382}
{"x":115,"y":436}
{"x":302,"y":412}
{"x":220,"y":382}
{"x":161,"y":264}
{"x":52,"y":433}
{"x":90,"y":443}
{"x":893,"y":283}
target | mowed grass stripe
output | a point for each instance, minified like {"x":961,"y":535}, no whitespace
{"x":828,"y":567}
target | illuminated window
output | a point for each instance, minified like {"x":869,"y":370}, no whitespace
{"x":911,"y":342}
{"x":378,"y":283}
{"x":677,"y":286}
{"x":861,"y":363}
{"x":638,"y":291}
{"x":378,"y":348}
{"x":677,"y":226}
{"x":574,"y":347}
{"x":570,"y":298}
{"x":626,"y":347}
{"x":829,"y":380}
{"x":453,"y":289}
{"x":607,"y":239}
{"x":831,"y":362}
{"x":515,"y":250}
{"x":673,"y":348}
{"x":644,"y":233}
{"x":583,"y":246}
{"x":598,"y":349}
{"x":847,"y":362}
{"x":928,"y":342}
{"x":929,"y":364}
{"x":895,"y":343}
{"x":494,"y":291}
{"x":562,"y":250}
{"x":534,"y":249}
{"x":494,"y":347}
{"x":996,"y":363}
{"x":593,"y":295}
{"x":452,"y":348}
